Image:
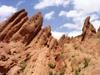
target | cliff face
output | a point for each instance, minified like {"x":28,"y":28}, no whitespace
{"x":28,"y":49}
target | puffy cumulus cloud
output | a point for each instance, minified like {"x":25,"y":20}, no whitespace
{"x":57,"y":35}
{"x":70,"y":26}
{"x":89,"y":6}
{"x":49,"y":15}
{"x":74,"y":33}
{"x":66,"y":3}
{"x":62,"y":13}
{"x":6,"y":11}
{"x":73,"y":13}
{"x":46,"y":3}
{"x":96,"y":24}
{"x":82,"y":9}
{"x":20,"y":2}
{"x":94,"y":17}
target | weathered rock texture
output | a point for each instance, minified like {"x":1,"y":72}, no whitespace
{"x":28,"y":49}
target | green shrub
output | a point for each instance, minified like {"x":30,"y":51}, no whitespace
{"x":72,"y":69}
{"x":61,"y":52}
{"x":50,"y":72}
{"x":76,"y":71}
{"x":86,"y":63}
{"x":23,"y":65}
{"x":75,"y":48}
{"x":79,"y":62}
{"x":61,"y":73}
{"x":73,"y":56}
{"x":51,"y":65}
{"x":56,"y":72}
{"x":62,"y":56}
{"x":65,"y":66}
{"x":12,"y":53}
{"x":70,"y":59}
{"x":79,"y":69}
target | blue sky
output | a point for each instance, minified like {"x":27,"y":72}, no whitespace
{"x":64,"y":16}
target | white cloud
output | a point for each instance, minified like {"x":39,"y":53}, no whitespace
{"x":49,"y":15}
{"x":74,"y":33}
{"x":6,"y":11}
{"x":46,"y":3}
{"x":82,"y":9}
{"x":62,"y":13}
{"x":94,"y":17}
{"x":73,"y":13}
{"x":89,"y":6}
{"x":20,"y":2}
{"x":66,"y":3}
{"x":57,"y":35}
{"x":70,"y":26}
{"x":96,"y":24}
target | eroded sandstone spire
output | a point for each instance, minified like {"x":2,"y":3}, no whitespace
{"x":28,"y":49}
{"x":88,"y":29}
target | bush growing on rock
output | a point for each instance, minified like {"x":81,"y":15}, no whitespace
{"x":51,"y":65}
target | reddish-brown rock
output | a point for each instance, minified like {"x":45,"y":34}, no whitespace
{"x":88,"y":29}
{"x":28,"y":49}
{"x":10,"y":22}
{"x":64,"y":39}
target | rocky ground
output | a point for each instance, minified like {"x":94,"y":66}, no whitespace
{"x":28,"y":49}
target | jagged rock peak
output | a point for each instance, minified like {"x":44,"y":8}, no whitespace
{"x":61,"y":40}
{"x":98,"y":33}
{"x":17,"y":19}
{"x":88,"y":29}
{"x":19,"y":28}
{"x":64,"y":39}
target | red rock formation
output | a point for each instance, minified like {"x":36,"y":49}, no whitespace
{"x":88,"y":29}
{"x":64,"y":39}
{"x":28,"y":49}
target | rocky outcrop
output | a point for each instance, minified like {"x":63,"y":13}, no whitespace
{"x":98,"y":33}
{"x":28,"y":49}
{"x":17,"y":19}
{"x":64,"y":39}
{"x":44,"y":38}
{"x":88,"y":29}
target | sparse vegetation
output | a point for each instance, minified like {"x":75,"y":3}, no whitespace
{"x":73,"y":56}
{"x":75,"y":48}
{"x":51,"y":65}
{"x":79,"y":69}
{"x":76,"y":71}
{"x":61,"y":73}
{"x":62,"y":56}
{"x":72,"y":69}
{"x":54,"y":52}
{"x":70,"y":59}
{"x":85,"y":63}
{"x":61,"y":52}
{"x":23,"y":65}
{"x":65,"y":66}
{"x":12,"y":53}
{"x":50,"y":72}
{"x":79,"y":62}
{"x":56,"y":72}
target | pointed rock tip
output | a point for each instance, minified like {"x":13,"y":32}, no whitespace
{"x":62,"y":37}
{"x":48,"y":27}
{"x":22,"y":9}
{"x":87,"y":20}
{"x":99,"y":29}
{"x":39,"y":13}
